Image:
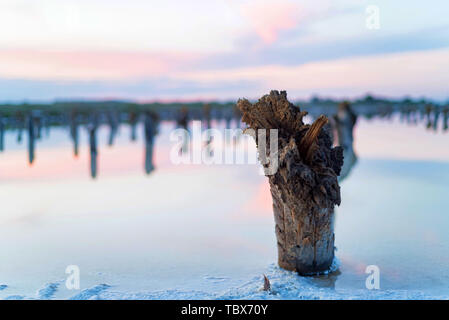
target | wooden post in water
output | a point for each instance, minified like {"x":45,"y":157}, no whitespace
{"x":345,"y":120}
{"x":2,"y":133}
{"x":305,"y":187}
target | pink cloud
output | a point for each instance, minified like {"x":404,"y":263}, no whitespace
{"x":268,"y":19}
{"x":94,"y":65}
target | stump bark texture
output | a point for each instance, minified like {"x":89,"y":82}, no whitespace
{"x":305,"y":187}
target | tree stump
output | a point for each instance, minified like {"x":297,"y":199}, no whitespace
{"x":305,"y":186}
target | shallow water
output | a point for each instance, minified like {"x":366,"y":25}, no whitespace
{"x":207,"y":231}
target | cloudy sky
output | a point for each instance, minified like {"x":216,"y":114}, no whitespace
{"x":222,"y":49}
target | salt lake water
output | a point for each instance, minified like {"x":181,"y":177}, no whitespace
{"x":207,"y":231}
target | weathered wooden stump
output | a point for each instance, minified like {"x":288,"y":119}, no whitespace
{"x":305,"y":187}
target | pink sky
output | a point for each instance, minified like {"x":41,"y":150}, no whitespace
{"x":221,"y":49}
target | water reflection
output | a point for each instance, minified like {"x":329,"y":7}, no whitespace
{"x":2,"y":133}
{"x":113,"y":122}
{"x":133,"y":119}
{"x":74,"y":132}
{"x":445,"y":118}
{"x":182,"y":121}
{"x":31,"y":137}
{"x":150,"y":127}
{"x":411,"y":250}
{"x":343,"y":118}
{"x":92,"y":129}
{"x":326,"y":280}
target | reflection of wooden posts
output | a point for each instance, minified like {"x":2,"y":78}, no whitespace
{"x":414,"y":118}
{"x":207,"y":121}
{"x":74,"y":132}
{"x":408,"y":113}
{"x":2,"y":134}
{"x":436,"y":116}
{"x":428,"y":110}
{"x":182,"y":122}
{"x":237,"y":116}
{"x":38,"y":126}
{"x":31,"y":137}
{"x":345,"y":120}
{"x":422,"y":111}
{"x":445,"y":118}
{"x":182,"y":118}
{"x":46,"y":124}
{"x":21,"y":124}
{"x":305,"y":187}
{"x":150,"y":125}
{"x":133,"y":117}
{"x":228,"y":118}
{"x":113,"y":122}
{"x":19,"y":135}
{"x":238,"y":124}
{"x":92,"y":128}
{"x":206,"y":115}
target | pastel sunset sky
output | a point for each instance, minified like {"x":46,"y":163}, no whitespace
{"x":221,"y":49}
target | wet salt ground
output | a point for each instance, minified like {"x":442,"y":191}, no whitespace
{"x":206,"y":232}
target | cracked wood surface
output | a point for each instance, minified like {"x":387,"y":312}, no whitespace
{"x":305,"y":187}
